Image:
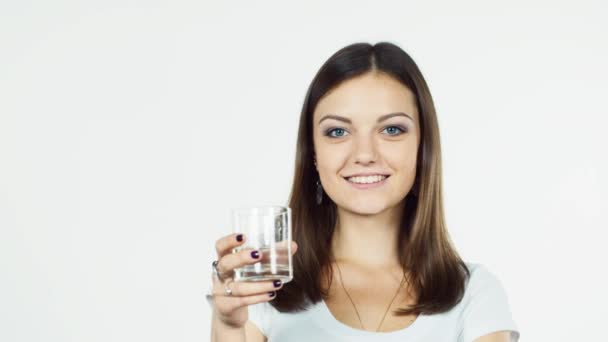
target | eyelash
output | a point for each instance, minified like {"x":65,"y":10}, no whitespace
{"x":402,"y":129}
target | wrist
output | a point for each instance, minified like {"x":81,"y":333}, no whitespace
{"x":223,"y":324}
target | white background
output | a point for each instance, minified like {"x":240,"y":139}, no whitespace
{"x":128,"y":129}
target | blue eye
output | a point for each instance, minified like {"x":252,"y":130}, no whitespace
{"x":328,"y":132}
{"x":397,"y":130}
{"x":397,"y":127}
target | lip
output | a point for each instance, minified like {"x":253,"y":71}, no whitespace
{"x":363,"y":174}
{"x":370,"y":185}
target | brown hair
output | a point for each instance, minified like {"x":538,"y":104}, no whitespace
{"x":437,"y":273}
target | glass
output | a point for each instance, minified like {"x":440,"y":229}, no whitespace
{"x":268,"y":230}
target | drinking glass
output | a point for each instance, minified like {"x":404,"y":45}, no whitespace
{"x":268,"y":230}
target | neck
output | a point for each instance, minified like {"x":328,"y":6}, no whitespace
{"x":367,"y":240}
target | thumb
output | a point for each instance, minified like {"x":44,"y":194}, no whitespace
{"x":294,"y":247}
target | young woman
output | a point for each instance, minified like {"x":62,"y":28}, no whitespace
{"x":374,"y":260}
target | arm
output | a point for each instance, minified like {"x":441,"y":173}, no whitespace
{"x":486,"y":314}
{"x":221,"y":332}
{"x":253,"y":333}
{"x":499,"y":336}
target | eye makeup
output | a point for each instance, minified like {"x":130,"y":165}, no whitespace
{"x":328,"y":132}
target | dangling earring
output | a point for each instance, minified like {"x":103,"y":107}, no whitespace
{"x":319,"y":187}
{"x":319,"y":193}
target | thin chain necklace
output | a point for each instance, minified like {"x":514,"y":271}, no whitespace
{"x":354,"y":306}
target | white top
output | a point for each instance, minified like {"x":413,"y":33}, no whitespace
{"x":484,"y":309}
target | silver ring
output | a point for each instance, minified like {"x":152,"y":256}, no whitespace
{"x":216,"y":272}
{"x":227,"y":290}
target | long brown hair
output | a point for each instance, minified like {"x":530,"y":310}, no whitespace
{"x":437,"y":273}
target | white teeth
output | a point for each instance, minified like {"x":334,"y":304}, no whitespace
{"x":366,"y":180}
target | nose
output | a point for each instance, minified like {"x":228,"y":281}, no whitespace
{"x":365,"y":150}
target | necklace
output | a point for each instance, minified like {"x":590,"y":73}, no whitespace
{"x":354,"y":306}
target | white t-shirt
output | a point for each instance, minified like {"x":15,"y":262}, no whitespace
{"x":484,"y":309}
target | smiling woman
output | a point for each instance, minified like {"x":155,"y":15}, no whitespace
{"x":374,"y":259}
{"x":371,"y":143}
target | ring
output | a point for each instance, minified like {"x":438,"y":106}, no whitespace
{"x":227,"y":290}
{"x":216,"y":272}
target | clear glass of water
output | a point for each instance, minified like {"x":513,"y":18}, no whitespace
{"x":267,"y":229}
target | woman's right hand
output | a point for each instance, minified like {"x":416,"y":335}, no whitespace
{"x":232,"y":310}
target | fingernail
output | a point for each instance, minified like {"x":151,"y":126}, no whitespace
{"x":255,"y":254}
{"x":277,"y":283}
{"x":239,"y":237}
{"x":272,"y":294}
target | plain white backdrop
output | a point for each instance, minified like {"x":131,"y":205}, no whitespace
{"x":128,"y":129}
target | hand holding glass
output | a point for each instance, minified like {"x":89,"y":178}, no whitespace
{"x":267,"y":230}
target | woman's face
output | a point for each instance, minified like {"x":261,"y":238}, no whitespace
{"x":364,"y":145}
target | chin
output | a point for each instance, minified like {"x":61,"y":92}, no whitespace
{"x":365,"y":207}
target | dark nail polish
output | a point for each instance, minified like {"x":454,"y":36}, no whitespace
{"x":277,"y":283}
{"x":272,"y":294}
{"x":239,"y":237}
{"x":255,"y":254}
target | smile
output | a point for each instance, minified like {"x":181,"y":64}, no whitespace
{"x":367,"y":182}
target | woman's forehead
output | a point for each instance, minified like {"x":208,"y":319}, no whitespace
{"x":367,"y":97}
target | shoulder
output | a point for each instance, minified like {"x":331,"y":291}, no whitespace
{"x":263,"y":309}
{"x":485,"y":305}
{"x":272,"y":322}
{"x":482,"y":285}
{"x":479,"y":276}
{"x":262,"y":315}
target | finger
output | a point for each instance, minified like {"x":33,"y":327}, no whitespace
{"x":227,"y":304}
{"x":228,"y":262}
{"x":294,"y":247}
{"x":281,"y":255}
{"x":225,"y":244}
{"x":245,"y":256}
{"x":242,"y":289}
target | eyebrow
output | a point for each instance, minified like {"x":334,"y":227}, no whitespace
{"x":380,"y":119}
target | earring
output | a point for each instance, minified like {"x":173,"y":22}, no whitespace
{"x":319,"y":193}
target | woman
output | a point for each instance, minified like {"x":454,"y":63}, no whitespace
{"x":374,"y":261}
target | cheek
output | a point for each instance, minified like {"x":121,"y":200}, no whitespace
{"x":409,"y":163}
{"x":403,"y":159}
{"x":407,"y":172}
{"x":405,"y":168}
{"x":332,"y":156}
